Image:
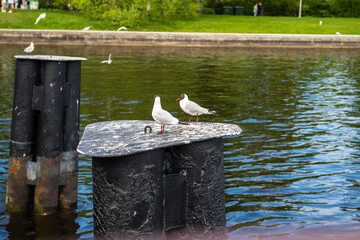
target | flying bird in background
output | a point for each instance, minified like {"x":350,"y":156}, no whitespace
{"x":86,"y":29}
{"x":122,"y":28}
{"x":107,"y":61}
{"x":30,"y":48}
{"x":41,"y":16}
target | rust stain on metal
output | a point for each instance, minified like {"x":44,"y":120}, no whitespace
{"x":15,"y":166}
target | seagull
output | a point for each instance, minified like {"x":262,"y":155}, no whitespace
{"x":122,"y":28}
{"x":337,"y":33}
{"x":162,"y":116}
{"x":107,"y":61}
{"x":320,"y":23}
{"x":192,"y":108}
{"x":30,"y":48}
{"x":86,"y":29}
{"x":41,"y":16}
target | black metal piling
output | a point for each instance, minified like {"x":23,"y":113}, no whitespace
{"x":44,"y":133}
{"x":157,"y":187}
{"x":69,"y":163}
{"x":202,"y":164}
{"x":18,"y":193}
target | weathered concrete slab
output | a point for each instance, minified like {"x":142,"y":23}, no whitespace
{"x":174,"y":39}
{"x":120,"y":138}
{"x":49,"y":58}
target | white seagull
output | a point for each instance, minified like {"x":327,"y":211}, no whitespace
{"x":122,"y":28}
{"x":86,"y":29}
{"x":30,"y":48}
{"x":107,"y":61}
{"x":337,"y":33}
{"x":41,"y":16}
{"x":192,"y":108}
{"x":320,"y":23}
{"x":162,"y":116}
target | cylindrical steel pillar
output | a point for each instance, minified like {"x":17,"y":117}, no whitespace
{"x":50,"y":136}
{"x":18,"y":193}
{"x":44,"y":133}
{"x":203,"y":165}
{"x":69,"y":166}
{"x":128,"y":196}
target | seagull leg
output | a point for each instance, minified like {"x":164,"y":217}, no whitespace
{"x":162,"y":128}
{"x":190,"y":118}
{"x":197,"y":117}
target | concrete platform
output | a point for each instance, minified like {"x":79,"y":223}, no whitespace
{"x":172,"y":39}
{"x":126,"y":137}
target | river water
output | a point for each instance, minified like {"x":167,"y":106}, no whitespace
{"x":292,"y":174}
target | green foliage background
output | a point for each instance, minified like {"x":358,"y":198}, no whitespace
{"x":316,"y":8}
{"x":132,"y":13}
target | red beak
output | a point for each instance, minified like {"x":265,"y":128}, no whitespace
{"x":178,"y":99}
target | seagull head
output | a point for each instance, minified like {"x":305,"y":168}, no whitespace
{"x":182,"y":96}
{"x":156,"y":99}
{"x":31,"y":44}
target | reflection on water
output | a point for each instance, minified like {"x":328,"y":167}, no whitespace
{"x":292,"y":173}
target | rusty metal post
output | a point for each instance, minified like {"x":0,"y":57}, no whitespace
{"x":50,"y":136}
{"x":18,"y":193}
{"x":69,"y":163}
{"x":44,"y":134}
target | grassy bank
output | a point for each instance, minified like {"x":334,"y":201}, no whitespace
{"x":24,"y":19}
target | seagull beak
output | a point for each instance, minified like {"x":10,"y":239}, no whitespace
{"x":178,"y":99}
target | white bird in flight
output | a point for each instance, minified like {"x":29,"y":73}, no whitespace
{"x":122,"y":28}
{"x":337,"y":33}
{"x":86,"y":29}
{"x":162,"y":116}
{"x":320,"y":23}
{"x":41,"y":16}
{"x":192,"y":108}
{"x":30,"y":48}
{"x":107,"y":61}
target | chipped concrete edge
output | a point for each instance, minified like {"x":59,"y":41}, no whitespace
{"x":176,"y":39}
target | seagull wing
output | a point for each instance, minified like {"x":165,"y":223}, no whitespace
{"x":195,"y":108}
{"x":164,"y":117}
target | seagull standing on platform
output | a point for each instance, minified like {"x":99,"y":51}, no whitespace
{"x":162,"y":116}
{"x":192,"y":108}
{"x":337,"y":33}
{"x":30,"y":48}
{"x":107,"y":61}
{"x":41,"y":16}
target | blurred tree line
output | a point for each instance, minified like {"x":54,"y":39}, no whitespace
{"x":316,"y":8}
{"x":131,"y":13}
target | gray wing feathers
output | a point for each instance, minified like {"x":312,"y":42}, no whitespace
{"x":196,"y":108}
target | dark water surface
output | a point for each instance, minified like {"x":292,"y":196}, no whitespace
{"x":292,"y":174}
